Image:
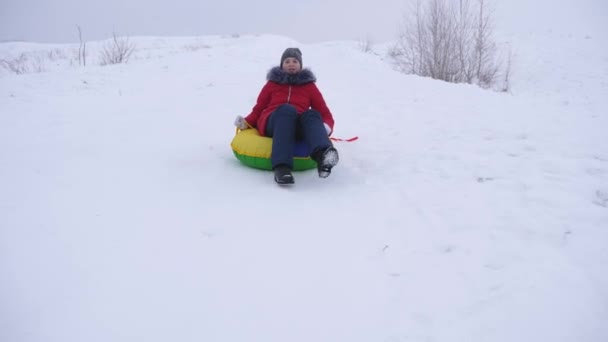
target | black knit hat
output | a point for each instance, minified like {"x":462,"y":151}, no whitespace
{"x":291,"y":52}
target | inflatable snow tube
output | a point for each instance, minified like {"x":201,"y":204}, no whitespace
{"x":254,"y":150}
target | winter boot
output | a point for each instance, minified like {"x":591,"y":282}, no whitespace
{"x":282,"y":175}
{"x":326,"y":159}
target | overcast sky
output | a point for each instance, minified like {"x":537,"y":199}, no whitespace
{"x":308,"y":21}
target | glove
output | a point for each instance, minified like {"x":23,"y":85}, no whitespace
{"x":327,"y":128}
{"x":241,"y":123}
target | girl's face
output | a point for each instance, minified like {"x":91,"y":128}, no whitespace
{"x":291,"y":65}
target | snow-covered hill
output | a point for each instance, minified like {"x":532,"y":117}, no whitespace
{"x":459,"y":214}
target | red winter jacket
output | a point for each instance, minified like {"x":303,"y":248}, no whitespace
{"x":298,"y":90}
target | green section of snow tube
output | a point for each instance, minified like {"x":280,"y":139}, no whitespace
{"x":299,"y":164}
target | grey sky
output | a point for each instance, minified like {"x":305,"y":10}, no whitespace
{"x":307,"y":21}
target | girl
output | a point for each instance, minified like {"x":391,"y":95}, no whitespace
{"x":290,"y":108}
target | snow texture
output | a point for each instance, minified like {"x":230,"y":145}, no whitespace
{"x":460,"y":214}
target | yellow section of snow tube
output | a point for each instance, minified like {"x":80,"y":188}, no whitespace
{"x":254,"y":150}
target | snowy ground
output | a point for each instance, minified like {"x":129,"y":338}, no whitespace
{"x":459,"y":214}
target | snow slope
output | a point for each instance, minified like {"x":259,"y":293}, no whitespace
{"x":459,"y":214}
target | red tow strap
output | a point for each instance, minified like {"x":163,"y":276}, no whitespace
{"x":347,"y":140}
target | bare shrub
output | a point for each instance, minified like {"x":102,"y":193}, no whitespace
{"x":196,"y":47}
{"x":117,"y":51}
{"x":55,"y":54}
{"x":450,"y":42}
{"x":365,"y":44}
{"x":18,"y":65}
{"x":38,"y":64}
{"x":24,"y":64}
{"x":506,"y":82}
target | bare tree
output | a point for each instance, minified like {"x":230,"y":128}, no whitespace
{"x":82,"y":54}
{"x":485,"y":49}
{"x":463,"y":42}
{"x":440,"y":40}
{"x":448,"y":42}
{"x":411,"y":46}
{"x":117,"y":51}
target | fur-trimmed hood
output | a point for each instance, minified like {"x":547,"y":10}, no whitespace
{"x":280,"y":76}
